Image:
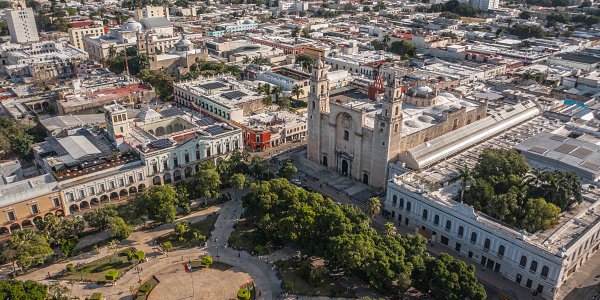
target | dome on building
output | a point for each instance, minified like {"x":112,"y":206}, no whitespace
{"x":412,"y":123}
{"x":426,"y":119}
{"x":248,"y":22}
{"x":131,"y":25}
{"x":147,"y":115}
{"x":184,"y":45}
{"x":440,"y":107}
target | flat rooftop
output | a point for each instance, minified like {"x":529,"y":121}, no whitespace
{"x":434,"y":181}
{"x":223,"y":91}
{"x":415,"y":118}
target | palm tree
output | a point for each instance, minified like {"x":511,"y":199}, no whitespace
{"x":374,"y":206}
{"x":390,"y":229}
{"x":246,"y":60}
{"x":112,"y":51}
{"x":277,"y":91}
{"x":297,"y":91}
{"x":465,"y":175}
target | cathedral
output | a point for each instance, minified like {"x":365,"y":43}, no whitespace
{"x":357,"y":137}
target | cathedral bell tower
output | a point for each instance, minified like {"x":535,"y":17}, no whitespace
{"x":318,"y":108}
{"x":387,"y":128}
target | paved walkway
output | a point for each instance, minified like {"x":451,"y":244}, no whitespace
{"x":261,"y":272}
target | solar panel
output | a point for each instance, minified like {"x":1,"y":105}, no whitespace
{"x":581,"y":152}
{"x":233,"y":95}
{"x":170,"y":112}
{"x":559,"y":138}
{"x":215,"y":130}
{"x":161,"y":144}
{"x":565,"y":148}
{"x":538,"y":150}
{"x":212,"y":85}
{"x":591,"y":166}
{"x":205,"y":122}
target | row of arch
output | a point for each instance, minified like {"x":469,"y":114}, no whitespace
{"x":160,"y":131}
{"x":473,"y":238}
{"x":27,"y":223}
{"x":83,"y":205}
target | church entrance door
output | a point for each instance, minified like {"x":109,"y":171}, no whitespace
{"x":344,"y":167}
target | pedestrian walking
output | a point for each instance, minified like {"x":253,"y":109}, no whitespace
{"x":239,"y":254}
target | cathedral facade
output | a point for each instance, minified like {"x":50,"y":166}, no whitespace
{"x":357,"y":137}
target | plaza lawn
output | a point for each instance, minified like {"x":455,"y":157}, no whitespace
{"x":294,"y":282}
{"x":146,"y":288}
{"x":203,"y":227}
{"x":95,"y":271}
{"x":245,"y":237}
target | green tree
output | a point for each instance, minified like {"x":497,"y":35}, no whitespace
{"x":452,"y":279}
{"x":465,"y":175}
{"x":207,"y":182}
{"x":181,"y":229}
{"x":288,"y":169}
{"x":27,"y":247}
{"x":525,"y":31}
{"x":206,"y":261}
{"x":118,"y":228}
{"x":67,"y":245}
{"x":539,"y":214}
{"x":16,"y":289}
{"x":525,"y":15}
{"x":237,"y":181}
{"x":98,"y":218}
{"x":161,"y":81}
{"x":390,"y":229}
{"x":403,"y":48}
{"x":297,"y":91}
{"x":277,"y":92}
{"x":373,"y":206}
{"x":158,"y":203}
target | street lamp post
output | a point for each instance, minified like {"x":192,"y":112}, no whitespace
{"x":217,"y":241}
{"x":137,"y":267}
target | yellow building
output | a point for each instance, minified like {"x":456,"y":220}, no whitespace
{"x":24,"y":202}
{"x":76,"y":34}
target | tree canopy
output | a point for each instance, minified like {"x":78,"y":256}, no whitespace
{"x":284,"y":213}
{"x":14,"y":139}
{"x":503,"y":186}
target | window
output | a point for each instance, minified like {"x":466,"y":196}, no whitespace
{"x":424,"y":214}
{"x":11,"y":215}
{"x":140,"y":176}
{"x":101,"y":188}
{"x":533,"y":266}
{"x":461,"y":231}
{"x":130,"y":179}
{"x":444,"y":240}
{"x":394,"y":200}
{"x":501,"y":250}
{"x":486,"y":244}
{"x":473,"y":237}
{"x":175,"y":162}
{"x":56,"y":202}
{"x":518,"y":279}
{"x":436,"y":220}
{"x":523,"y":261}
{"x":448,"y":225}
{"x":529,"y":283}
{"x":346,"y":135}
{"x":121,"y":182}
{"x":408,"y":206}
{"x":405,"y":221}
{"x":111,"y":185}
{"x":35,"y":209}
{"x":401,"y":202}
{"x":545,"y":271}
{"x":540,"y":289}
{"x":91,"y":191}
